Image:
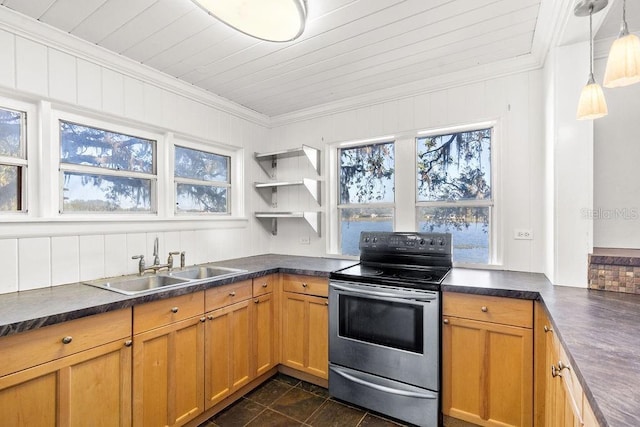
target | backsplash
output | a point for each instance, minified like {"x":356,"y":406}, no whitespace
{"x":616,"y":271}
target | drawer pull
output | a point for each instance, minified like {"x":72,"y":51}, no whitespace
{"x":210,"y":317}
{"x":67,"y":340}
{"x":232,"y":294}
{"x":547,"y":329}
{"x":264,"y":285}
{"x":326,"y":303}
{"x":203,"y":319}
{"x":484,"y":309}
{"x":445,"y":321}
{"x":128,"y":343}
{"x":256,"y":300}
{"x":555,"y":372}
{"x":304,"y":285}
{"x":562,"y":365}
{"x":174,"y":309}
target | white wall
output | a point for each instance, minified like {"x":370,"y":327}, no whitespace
{"x":50,"y":69}
{"x":617,"y":170}
{"x":515,"y":101}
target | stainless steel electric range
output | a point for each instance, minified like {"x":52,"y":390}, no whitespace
{"x":384,"y":325}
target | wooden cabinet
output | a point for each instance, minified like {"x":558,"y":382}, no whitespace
{"x":560,"y":398}
{"x":168,"y":359}
{"x":228,"y":361}
{"x":79,"y":375}
{"x":265,"y":320}
{"x":305,"y":323}
{"x":487,"y":352}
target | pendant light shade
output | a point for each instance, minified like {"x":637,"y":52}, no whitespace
{"x":623,"y":64}
{"x":591,"y":104}
{"x":270,"y":20}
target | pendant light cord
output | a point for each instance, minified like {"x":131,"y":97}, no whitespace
{"x":591,"y":78}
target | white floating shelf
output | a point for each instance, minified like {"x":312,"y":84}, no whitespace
{"x":312,"y":155}
{"x":312,"y":186}
{"x":312,"y":218}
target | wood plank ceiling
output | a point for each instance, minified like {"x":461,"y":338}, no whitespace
{"x":349,"y":48}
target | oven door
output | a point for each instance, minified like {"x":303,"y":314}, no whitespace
{"x":385,"y":331}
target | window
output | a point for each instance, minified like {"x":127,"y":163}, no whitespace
{"x":106,"y":171}
{"x":202,"y":181}
{"x":454,"y":190}
{"x":365,"y":192}
{"x":13,"y":160}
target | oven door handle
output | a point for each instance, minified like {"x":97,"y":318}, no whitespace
{"x":382,"y":388}
{"x":402,"y":295}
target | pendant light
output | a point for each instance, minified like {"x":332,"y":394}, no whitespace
{"x":623,"y":64}
{"x":269,"y":20}
{"x":592,"y":104}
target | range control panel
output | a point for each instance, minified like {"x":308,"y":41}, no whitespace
{"x":418,"y":243}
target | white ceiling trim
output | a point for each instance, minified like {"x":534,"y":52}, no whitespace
{"x":44,"y":34}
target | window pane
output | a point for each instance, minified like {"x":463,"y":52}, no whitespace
{"x":11,"y":133}
{"x":10,"y":184}
{"x":469,"y":228}
{"x":367,"y":174}
{"x":355,"y":220}
{"x":456,"y":166}
{"x":196,"y":164}
{"x":83,"y":145}
{"x":200,"y":198}
{"x":99,"y":193}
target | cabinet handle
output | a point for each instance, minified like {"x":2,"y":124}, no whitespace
{"x":562,"y":365}
{"x":203,"y":319}
{"x":445,"y":321}
{"x":174,"y":309}
{"x":232,"y":294}
{"x":484,"y":309}
{"x":67,"y":340}
{"x":256,"y":300}
{"x":547,"y":329}
{"x":264,"y":285}
{"x":555,"y":372}
{"x":128,"y":343}
{"x":326,"y":303}
{"x":210,"y":317}
{"x":304,"y":285}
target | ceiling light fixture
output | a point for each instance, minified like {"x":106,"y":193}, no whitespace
{"x":270,"y":20}
{"x":592,"y":104}
{"x":623,"y":64}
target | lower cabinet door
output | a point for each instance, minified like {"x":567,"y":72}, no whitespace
{"x":92,"y":387}
{"x":228,"y":363}
{"x":487,"y":372}
{"x":168,"y":370}
{"x":264,"y":330}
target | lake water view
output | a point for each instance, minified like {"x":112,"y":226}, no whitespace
{"x":470,"y":245}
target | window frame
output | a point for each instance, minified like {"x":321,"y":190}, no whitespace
{"x":229,"y":184}
{"x":335,"y":242}
{"x":491,"y":204}
{"x":113,"y":127}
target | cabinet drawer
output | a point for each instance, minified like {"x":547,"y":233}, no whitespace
{"x":309,"y":285}
{"x":222,"y":296}
{"x":507,"y":311}
{"x":264,"y":285}
{"x":42,"y":345}
{"x":163,"y":312}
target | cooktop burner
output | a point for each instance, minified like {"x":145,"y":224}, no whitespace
{"x":416,"y":260}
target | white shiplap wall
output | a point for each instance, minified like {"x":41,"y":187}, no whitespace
{"x":515,"y":101}
{"x":75,"y":76}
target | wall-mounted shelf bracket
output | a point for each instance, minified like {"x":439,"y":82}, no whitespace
{"x":269,"y":161}
{"x":312,"y":218}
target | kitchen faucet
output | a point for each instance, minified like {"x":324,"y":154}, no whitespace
{"x":142,"y":268}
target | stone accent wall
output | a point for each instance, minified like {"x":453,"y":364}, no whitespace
{"x":614,"y":273}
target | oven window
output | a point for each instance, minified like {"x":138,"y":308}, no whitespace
{"x":391,"y":324}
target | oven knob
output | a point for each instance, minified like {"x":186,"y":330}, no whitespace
{"x":441,"y":242}
{"x":366,"y":239}
{"x":431,"y":242}
{"x":421,"y":242}
{"x":375,"y":239}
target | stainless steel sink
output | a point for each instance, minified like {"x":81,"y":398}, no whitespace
{"x":204,"y":272}
{"x":137,"y":285}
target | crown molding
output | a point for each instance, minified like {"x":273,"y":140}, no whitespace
{"x":39,"y":32}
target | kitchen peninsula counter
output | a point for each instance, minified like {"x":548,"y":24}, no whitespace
{"x":599,"y":329}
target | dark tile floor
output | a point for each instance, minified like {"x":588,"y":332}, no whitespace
{"x":284,"y":401}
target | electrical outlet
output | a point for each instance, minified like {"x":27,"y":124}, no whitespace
{"x":305,"y":240}
{"x":522,"y":234}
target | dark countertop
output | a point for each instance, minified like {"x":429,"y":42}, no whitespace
{"x":599,"y":329}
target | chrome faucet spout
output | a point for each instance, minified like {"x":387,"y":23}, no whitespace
{"x":156,"y":258}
